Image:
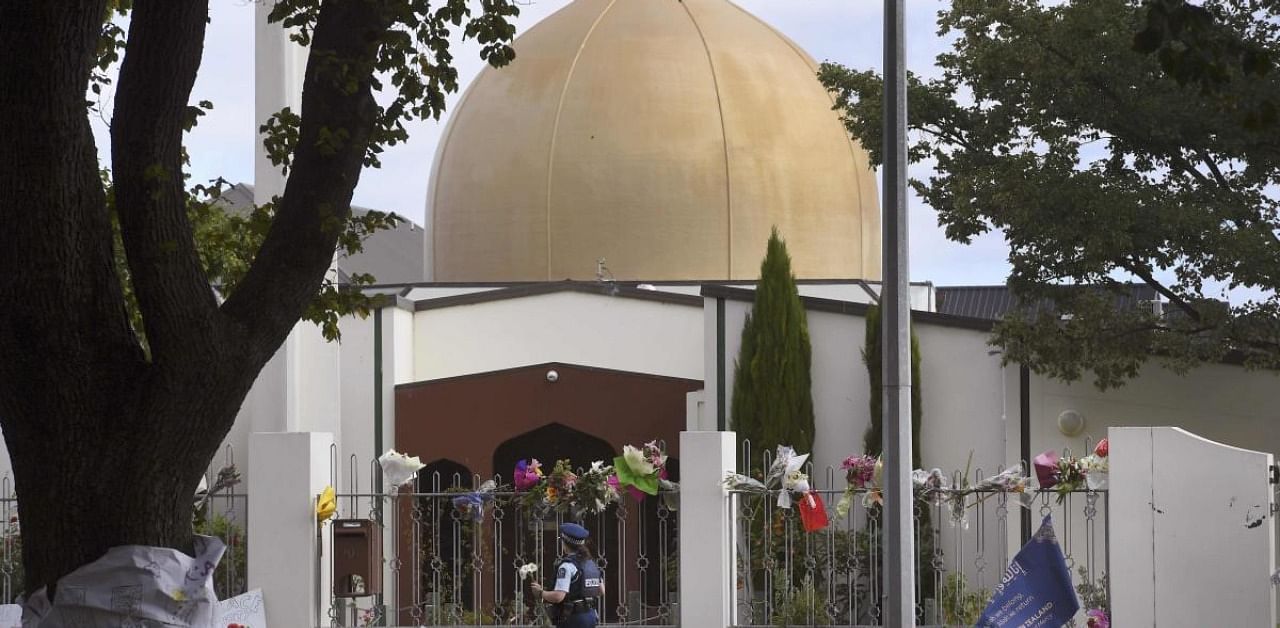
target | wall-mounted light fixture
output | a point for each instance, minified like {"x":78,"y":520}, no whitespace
{"x":1070,"y":423}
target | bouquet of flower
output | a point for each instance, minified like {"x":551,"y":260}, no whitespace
{"x":527,"y":570}
{"x":1066,"y":474}
{"x":593,"y":492}
{"x":1010,"y":480}
{"x":928,"y":485}
{"x":398,"y":468}
{"x":860,"y":471}
{"x":527,"y":474}
{"x":742,"y":483}
{"x":472,"y":503}
{"x":1097,"y":618}
{"x":560,"y":484}
{"x":862,"y":474}
{"x":1096,"y":466}
{"x":639,"y":470}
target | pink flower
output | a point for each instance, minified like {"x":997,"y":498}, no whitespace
{"x":527,"y":474}
{"x":1097,"y":618}
{"x":1046,"y":465}
{"x":612,"y":481}
{"x":860,"y":471}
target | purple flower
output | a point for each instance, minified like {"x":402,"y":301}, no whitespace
{"x":860,"y":471}
{"x":1097,"y":618}
{"x":527,"y":474}
{"x":1046,"y":465}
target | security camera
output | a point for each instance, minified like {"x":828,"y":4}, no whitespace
{"x":552,"y":376}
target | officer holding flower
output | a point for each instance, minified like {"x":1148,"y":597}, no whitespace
{"x":579,"y":583}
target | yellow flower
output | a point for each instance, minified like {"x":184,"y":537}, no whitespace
{"x":326,"y":505}
{"x":551,"y":493}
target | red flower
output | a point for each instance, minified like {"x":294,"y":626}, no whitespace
{"x":1103,"y":448}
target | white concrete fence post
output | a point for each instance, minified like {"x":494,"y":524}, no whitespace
{"x":287,"y":470}
{"x":1190,"y":532}
{"x":707,"y":527}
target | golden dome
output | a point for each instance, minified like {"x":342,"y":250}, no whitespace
{"x":667,"y":137}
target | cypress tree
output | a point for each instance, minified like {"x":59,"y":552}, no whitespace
{"x":772,"y":399}
{"x":873,"y":438}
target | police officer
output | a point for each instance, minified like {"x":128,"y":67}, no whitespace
{"x":579,"y":583}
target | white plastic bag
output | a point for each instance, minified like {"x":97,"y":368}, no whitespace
{"x":135,"y":586}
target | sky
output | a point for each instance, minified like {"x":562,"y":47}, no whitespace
{"x":844,"y":31}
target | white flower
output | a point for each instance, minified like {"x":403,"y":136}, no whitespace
{"x":636,"y":461}
{"x":527,"y":570}
{"x":398,"y":468}
{"x":1095,"y":470}
{"x":796,"y":481}
{"x":597,"y":467}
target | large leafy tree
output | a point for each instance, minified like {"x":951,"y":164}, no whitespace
{"x":1213,"y":44}
{"x":108,"y":436}
{"x":772,"y":385}
{"x":1099,"y":166}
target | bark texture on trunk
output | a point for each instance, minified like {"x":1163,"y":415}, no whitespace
{"x":108,"y":442}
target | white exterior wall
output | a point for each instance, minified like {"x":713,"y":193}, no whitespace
{"x":840,"y":388}
{"x":357,"y":401}
{"x":588,"y":329}
{"x":962,"y":406}
{"x":963,"y":400}
{"x":418,"y":293}
{"x":1223,"y":403}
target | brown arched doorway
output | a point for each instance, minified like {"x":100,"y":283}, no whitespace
{"x":446,"y":539}
{"x":526,"y":539}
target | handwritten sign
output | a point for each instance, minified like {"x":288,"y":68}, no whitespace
{"x":10,"y":616}
{"x":247,"y":610}
{"x":1035,"y":591}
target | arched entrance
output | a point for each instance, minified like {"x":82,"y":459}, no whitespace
{"x":528,"y":540}
{"x":445,"y":547}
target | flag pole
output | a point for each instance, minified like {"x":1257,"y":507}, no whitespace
{"x":895,"y":303}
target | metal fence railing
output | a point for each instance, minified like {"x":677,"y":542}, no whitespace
{"x":964,"y":540}
{"x":449,"y":563}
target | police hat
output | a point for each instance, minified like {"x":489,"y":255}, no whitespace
{"x":573,"y":534}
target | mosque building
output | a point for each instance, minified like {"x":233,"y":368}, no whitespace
{"x":597,"y":213}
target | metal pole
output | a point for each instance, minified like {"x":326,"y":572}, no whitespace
{"x":895,"y":303}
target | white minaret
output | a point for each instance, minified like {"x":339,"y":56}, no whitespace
{"x":299,"y":389}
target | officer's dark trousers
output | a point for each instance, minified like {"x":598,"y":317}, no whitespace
{"x":579,"y":620}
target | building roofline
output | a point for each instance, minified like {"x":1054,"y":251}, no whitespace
{"x":631,"y":283}
{"x":541,"y":288}
{"x":855,"y":309}
{"x":542,"y":365}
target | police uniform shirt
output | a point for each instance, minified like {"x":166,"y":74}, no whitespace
{"x":564,"y":575}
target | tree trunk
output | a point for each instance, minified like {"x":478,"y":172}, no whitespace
{"x":108,"y":443}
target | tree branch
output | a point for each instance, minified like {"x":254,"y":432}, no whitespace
{"x":166,"y":40}
{"x":1141,"y":271}
{"x":1213,"y":168}
{"x":337,"y":107}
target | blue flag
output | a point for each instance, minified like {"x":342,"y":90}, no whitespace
{"x":1035,"y":591}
